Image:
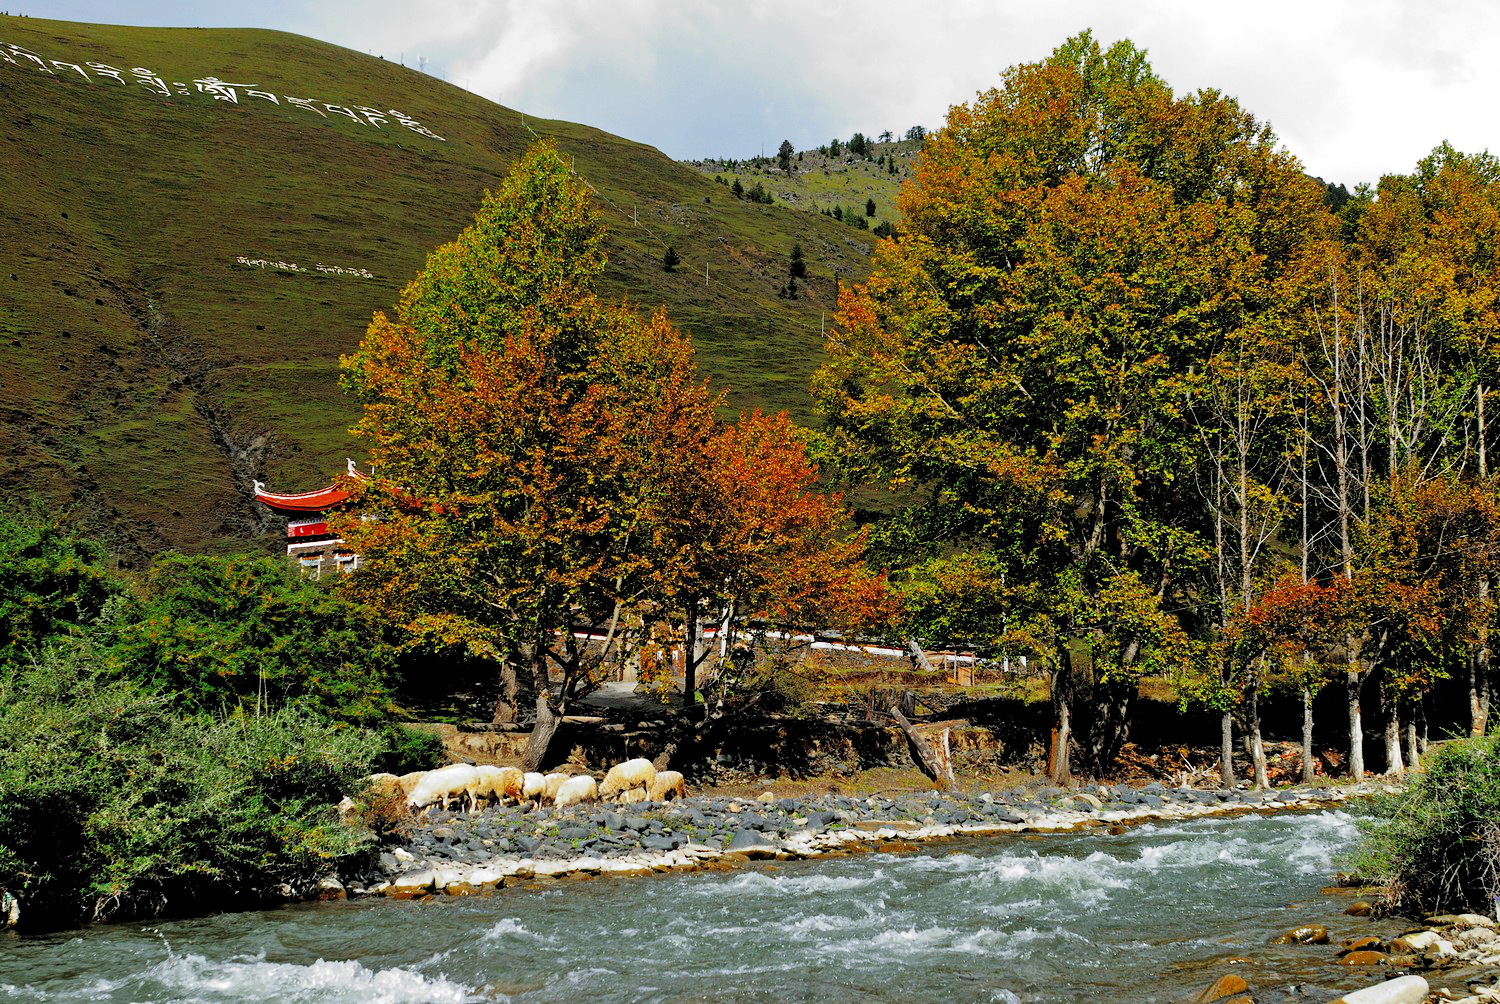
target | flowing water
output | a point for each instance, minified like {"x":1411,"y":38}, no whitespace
{"x":1150,"y":915}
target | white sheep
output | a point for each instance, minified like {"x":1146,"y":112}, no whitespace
{"x":667,"y":783}
{"x":576,"y":790}
{"x":409,"y":782}
{"x":553,"y":782}
{"x":622,"y":777}
{"x":444,"y":785}
{"x":532,"y":786}
{"x":497,"y":784}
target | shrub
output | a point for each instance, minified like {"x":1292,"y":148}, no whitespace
{"x":112,"y":804}
{"x":51,"y":582}
{"x":1436,"y":845}
{"x":249,"y":633}
{"x":408,"y":749}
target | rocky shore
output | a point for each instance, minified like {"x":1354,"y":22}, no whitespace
{"x":455,"y":854}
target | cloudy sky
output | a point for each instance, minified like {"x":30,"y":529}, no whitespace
{"x":1355,"y":88}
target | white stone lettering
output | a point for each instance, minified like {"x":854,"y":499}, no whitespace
{"x":21,"y":53}
{"x":220,"y":90}
{"x":341,"y":110}
{"x":305,"y":103}
{"x":375,"y":115}
{"x":105,"y":70}
{"x":72,"y":66}
{"x":263,"y":94}
{"x":149,"y":80}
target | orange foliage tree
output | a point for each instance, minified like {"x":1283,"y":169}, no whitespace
{"x":549,"y":475}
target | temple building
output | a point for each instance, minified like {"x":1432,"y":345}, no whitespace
{"x":307,"y":536}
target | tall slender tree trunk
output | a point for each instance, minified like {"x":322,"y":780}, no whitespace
{"x":1356,"y":727}
{"x":1059,"y":770}
{"x":1422,"y":726}
{"x":690,"y":632}
{"x":1308,"y":769}
{"x":1394,"y":765}
{"x":1257,"y":748}
{"x":1226,"y":748}
{"x":1479,"y":662}
{"x":1413,"y":760}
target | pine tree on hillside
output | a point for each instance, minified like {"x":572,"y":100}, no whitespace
{"x":670,"y":260}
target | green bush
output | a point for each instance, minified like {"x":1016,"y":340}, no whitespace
{"x":244,"y":632}
{"x":114,"y":804}
{"x":51,"y":582}
{"x":1436,"y":845}
{"x":408,"y":749}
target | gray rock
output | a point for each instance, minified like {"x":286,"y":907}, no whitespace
{"x":746,"y":839}
{"x":660,"y":842}
{"x":612,"y":820}
{"x":638,"y":822}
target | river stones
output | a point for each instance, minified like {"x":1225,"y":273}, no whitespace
{"x":1307,"y":934}
{"x":330,"y":888}
{"x":411,"y":885}
{"x":1366,"y":944}
{"x":1402,"y":990}
{"x":1365,"y":958}
{"x":1225,"y":986}
{"x":1415,"y":943}
{"x":1360,"y":908}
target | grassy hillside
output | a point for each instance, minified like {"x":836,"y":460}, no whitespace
{"x":149,"y":377}
{"x":819,"y":180}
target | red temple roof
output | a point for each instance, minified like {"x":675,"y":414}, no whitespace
{"x":305,"y":502}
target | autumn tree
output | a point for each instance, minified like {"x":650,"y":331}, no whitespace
{"x":1018,"y":368}
{"x":550,"y":477}
{"x":512,"y":418}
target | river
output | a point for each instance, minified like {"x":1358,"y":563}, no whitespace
{"x":1149,"y":915}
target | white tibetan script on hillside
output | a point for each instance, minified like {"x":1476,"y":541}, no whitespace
{"x":291,"y":266}
{"x":219,"y":90}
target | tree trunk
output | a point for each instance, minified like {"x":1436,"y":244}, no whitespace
{"x":1479,"y":677}
{"x":1257,"y":748}
{"x":507,"y":709}
{"x":1394,"y":765}
{"x":1308,"y":769}
{"x":690,"y":656}
{"x":1226,"y":749}
{"x":1356,"y":728}
{"x":547,"y":723}
{"x":1109,"y":726}
{"x":1412,"y":759}
{"x":1058,"y":768}
{"x":932,"y":765}
{"x":1422,"y":727}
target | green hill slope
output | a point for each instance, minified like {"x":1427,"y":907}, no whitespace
{"x":818,"y":180}
{"x":157,"y":357}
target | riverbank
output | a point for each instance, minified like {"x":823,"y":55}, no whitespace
{"x":455,"y":854}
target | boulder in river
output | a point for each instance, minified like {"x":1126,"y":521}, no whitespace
{"x":1402,"y":990}
{"x":1225,"y":986}
{"x":1307,"y":934}
{"x":1365,"y":958}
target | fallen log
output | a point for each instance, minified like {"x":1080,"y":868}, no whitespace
{"x":939,"y":769}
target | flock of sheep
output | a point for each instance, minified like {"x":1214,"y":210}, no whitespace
{"x":474,"y":787}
